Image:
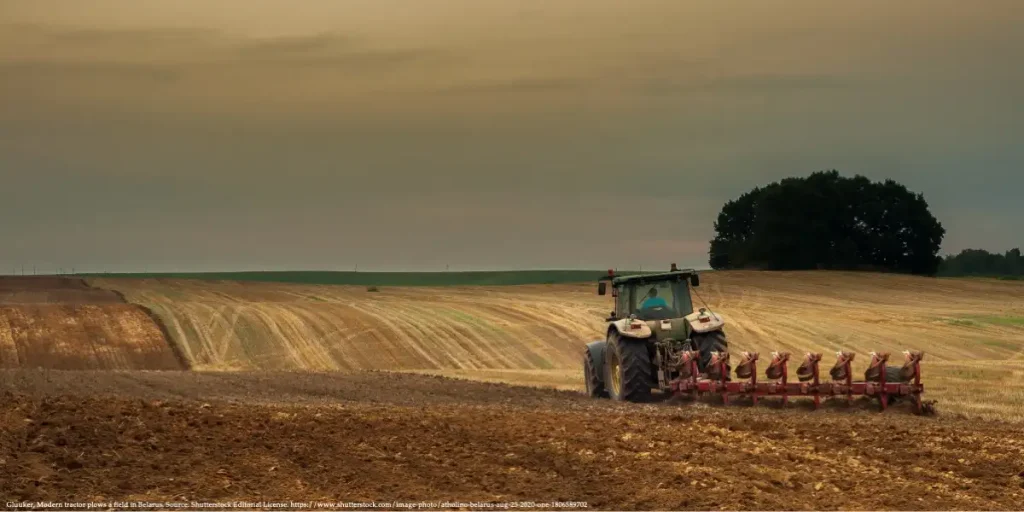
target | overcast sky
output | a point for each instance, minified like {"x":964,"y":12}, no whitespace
{"x":410,"y":135}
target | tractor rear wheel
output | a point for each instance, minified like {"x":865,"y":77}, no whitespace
{"x":629,"y":374}
{"x":708,"y":342}
{"x":593,"y":373}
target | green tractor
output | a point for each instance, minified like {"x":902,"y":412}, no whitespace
{"x":653,"y":325}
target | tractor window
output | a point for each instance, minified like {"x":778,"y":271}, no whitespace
{"x":661,"y":300}
{"x":622,"y":309}
{"x":684,"y":304}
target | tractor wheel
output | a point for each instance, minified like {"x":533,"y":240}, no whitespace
{"x":593,"y":370}
{"x":708,"y":342}
{"x":629,"y":374}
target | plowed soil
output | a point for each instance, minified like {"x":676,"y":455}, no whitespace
{"x":53,"y":290}
{"x":62,"y":323}
{"x":180,"y":436}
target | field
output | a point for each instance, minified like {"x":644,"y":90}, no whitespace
{"x":483,"y":278}
{"x":972,"y":330}
{"x":313,"y":392}
{"x":154,"y":436}
{"x":65,"y":324}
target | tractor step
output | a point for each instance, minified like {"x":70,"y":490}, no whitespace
{"x":693,"y":384}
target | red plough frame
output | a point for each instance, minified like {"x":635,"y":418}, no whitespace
{"x":694,"y":385}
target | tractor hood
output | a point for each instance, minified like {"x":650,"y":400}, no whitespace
{"x":705,"y":320}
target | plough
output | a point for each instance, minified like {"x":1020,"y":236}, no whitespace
{"x":880,"y":381}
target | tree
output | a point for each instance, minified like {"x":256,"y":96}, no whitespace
{"x":734,"y":226}
{"x":979,"y":262}
{"x":826,"y":220}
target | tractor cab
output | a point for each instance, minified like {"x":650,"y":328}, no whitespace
{"x":650,"y":297}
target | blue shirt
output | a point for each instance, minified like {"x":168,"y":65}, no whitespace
{"x":653,"y":302}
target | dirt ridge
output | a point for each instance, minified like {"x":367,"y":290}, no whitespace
{"x":171,"y":344}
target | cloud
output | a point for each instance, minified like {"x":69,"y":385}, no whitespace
{"x":454,"y":133}
{"x":109,"y":51}
{"x":753,"y":83}
{"x":357,"y":60}
{"x":55,"y":70}
{"x":329,"y":52}
{"x":290,"y":46}
{"x":55,"y":39}
{"x":517,"y":85}
{"x":108,"y":36}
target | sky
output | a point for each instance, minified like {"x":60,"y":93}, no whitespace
{"x":147,"y":135}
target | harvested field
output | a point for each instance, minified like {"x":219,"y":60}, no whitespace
{"x":241,"y":326}
{"x":384,"y":437}
{"x":62,"y":323}
{"x":972,"y":330}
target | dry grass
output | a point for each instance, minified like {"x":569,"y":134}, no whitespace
{"x":225,"y":326}
{"x":979,"y":389}
{"x":971,"y":330}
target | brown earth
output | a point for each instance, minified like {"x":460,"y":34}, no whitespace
{"x":16,"y":290}
{"x":20,"y":283}
{"x":377,"y":436}
{"x":63,"y":323}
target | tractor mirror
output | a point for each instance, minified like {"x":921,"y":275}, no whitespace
{"x":601,"y":289}
{"x":695,"y":280}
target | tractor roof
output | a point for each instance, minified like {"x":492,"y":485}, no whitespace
{"x":649,"y":278}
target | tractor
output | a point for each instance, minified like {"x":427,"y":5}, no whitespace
{"x":655,"y":340}
{"x":652,"y":327}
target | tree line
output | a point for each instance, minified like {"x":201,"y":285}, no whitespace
{"x":828,"y":221}
{"x":979,"y":262}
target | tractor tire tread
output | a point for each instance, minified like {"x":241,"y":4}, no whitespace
{"x":637,"y":373}
{"x":595,"y":382}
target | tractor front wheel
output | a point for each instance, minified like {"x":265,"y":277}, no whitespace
{"x":628,"y":369}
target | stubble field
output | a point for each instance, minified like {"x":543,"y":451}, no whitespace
{"x":972,"y":331}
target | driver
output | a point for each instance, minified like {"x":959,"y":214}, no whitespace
{"x":653,"y":301}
